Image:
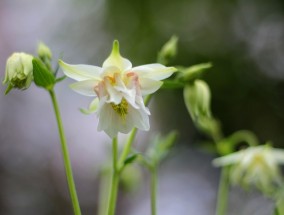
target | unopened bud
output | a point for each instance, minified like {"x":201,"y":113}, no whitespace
{"x":19,"y":71}
{"x":197,"y":99}
{"x":168,"y":51}
{"x":43,"y":51}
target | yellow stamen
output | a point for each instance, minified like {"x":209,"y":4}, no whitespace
{"x":121,"y":108}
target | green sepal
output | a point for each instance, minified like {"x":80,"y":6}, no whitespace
{"x":60,"y":79}
{"x":8,"y":89}
{"x":85,"y":111}
{"x":42,"y":76}
{"x":172,"y":84}
{"x":193,"y":72}
{"x":130,"y":159}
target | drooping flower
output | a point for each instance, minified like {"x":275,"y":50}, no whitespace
{"x":119,"y":89}
{"x":256,"y":165}
{"x":19,"y":71}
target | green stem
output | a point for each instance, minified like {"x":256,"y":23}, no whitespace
{"x":114,"y":181}
{"x":154,"y":183}
{"x":126,"y":149}
{"x":66,"y":159}
{"x":223,"y":192}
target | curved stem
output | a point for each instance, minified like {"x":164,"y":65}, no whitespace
{"x":66,"y":159}
{"x":223,"y":192}
{"x":154,"y":183}
{"x":114,"y":181}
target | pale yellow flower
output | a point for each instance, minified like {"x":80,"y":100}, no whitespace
{"x":119,"y":88}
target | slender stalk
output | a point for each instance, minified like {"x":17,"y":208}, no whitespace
{"x":66,"y":159}
{"x":126,"y":149}
{"x":154,"y":183}
{"x":223,"y":191}
{"x":114,"y":181}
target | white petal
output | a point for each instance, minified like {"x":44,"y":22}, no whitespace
{"x":116,"y":60}
{"x":80,"y":72}
{"x":139,"y":119}
{"x":108,"y":120}
{"x":85,"y":88}
{"x":154,"y":71}
{"x":278,"y":155}
{"x":228,"y":159}
{"x":149,"y":86}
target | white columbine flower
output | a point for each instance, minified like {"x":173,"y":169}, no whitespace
{"x":258,"y":165}
{"x":119,"y":89}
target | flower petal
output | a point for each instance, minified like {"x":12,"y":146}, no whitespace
{"x":85,"y":88}
{"x":116,"y":60}
{"x":109,"y":120}
{"x":80,"y":72}
{"x":149,"y":86}
{"x":154,"y":71}
{"x":228,"y":159}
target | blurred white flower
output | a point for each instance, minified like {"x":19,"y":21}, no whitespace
{"x":258,"y":165}
{"x":119,"y":89}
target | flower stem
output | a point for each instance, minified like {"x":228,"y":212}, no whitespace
{"x":223,"y":192}
{"x":126,"y":149}
{"x":114,"y":181}
{"x":154,"y":183}
{"x":66,"y":159}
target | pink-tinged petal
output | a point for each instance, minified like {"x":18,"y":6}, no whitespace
{"x":154,"y":71}
{"x":116,"y":60}
{"x":114,"y":95}
{"x":149,"y":86}
{"x":86,"y":88}
{"x":80,"y":72}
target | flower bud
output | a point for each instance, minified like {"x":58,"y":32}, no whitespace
{"x":168,"y":51}
{"x":19,"y":71}
{"x":197,"y":99}
{"x":43,"y":51}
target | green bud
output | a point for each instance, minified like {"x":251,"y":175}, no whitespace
{"x":43,"y":51}
{"x":197,"y":99}
{"x":168,"y":51}
{"x":19,"y":71}
{"x":130,"y":177}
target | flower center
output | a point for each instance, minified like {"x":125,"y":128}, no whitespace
{"x":121,"y":109}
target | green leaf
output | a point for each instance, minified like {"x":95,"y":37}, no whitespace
{"x":42,"y":76}
{"x":130,"y":159}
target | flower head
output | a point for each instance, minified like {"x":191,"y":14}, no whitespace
{"x":119,"y":88}
{"x":258,"y":165}
{"x":19,"y":71}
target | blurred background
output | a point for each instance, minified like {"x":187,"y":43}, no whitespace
{"x":243,"y":39}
